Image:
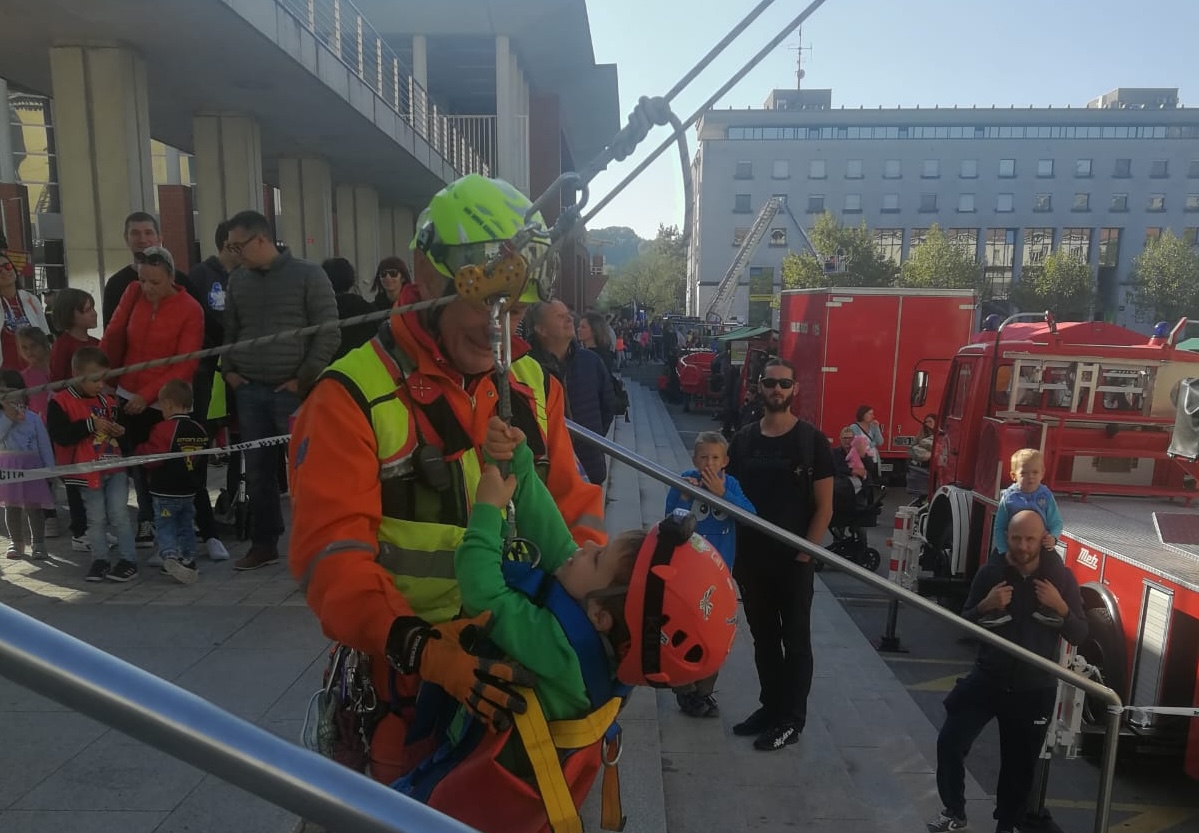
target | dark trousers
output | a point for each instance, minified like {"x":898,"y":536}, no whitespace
{"x":137,"y":431}
{"x":1023,"y":719}
{"x":777,"y":595}
{"x":78,"y":513}
{"x":264,"y":412}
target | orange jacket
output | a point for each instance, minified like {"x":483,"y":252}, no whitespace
{"x":337,"y":499}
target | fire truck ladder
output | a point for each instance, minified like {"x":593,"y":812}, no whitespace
{"x":722,"y":300}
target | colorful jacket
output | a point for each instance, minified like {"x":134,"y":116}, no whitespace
{"x":1013,"y":501}
{"x":140,"y":332}
{"x":182,"y":476}
{"x":69,"y":420}
{"x":712,"y":523}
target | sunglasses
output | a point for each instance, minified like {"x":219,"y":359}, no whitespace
{"x":391,"y":273}
{"x":771,"y":382}
{"x":7,"y":267}
{"x":153,"y":260}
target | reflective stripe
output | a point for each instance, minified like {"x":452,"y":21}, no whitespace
{"x":591,"y":522}
{"x":336,"y":548}
{"x":416,"y":563}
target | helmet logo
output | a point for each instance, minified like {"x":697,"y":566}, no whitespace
{"x":705,"y":603}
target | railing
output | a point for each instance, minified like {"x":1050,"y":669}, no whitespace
{"x":349,"y":36}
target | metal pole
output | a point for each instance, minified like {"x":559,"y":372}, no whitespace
{"x":1107,"y":768}
{"x":193,"y":730}
{"x":889,"y":642}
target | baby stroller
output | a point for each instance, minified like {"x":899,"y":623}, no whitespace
{"x":852,"y":515}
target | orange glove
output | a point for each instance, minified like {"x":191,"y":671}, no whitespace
{"x":442,"y":655}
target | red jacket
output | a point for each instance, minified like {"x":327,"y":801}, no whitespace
{"x":69,"y":422}
{"x":138,"y":333}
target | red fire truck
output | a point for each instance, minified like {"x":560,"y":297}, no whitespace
{"x":858,"y":346}
{"x":1100,"y":402}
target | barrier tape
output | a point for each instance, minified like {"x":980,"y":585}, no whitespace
{"x":109,"y":463}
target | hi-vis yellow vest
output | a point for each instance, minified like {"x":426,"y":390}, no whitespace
{"x":422,"y":525}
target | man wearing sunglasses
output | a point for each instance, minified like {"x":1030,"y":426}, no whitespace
{"x":785,"y":468}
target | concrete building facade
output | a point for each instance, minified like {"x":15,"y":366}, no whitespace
{"x":1009,"y":185}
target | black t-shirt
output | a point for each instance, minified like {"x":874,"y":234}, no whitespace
{"x":774,"y":475}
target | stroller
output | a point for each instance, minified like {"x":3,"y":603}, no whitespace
{"x":852,"y":515}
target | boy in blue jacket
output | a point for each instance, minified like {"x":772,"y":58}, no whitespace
{"x":710,"y":455}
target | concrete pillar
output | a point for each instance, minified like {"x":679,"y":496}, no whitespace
{"x":228,"y":170}
{"x":358,"y":230}
{"x":420,"y":60}
{"x":102,"y":131}
{"x":396,"y":229}
{"x":505,"y":110}
{"x":306,"y":188}
{"x":8,"y":165}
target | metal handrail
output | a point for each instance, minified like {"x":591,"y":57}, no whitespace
{"x":175,"y":721}
{"x":1115,"y":705}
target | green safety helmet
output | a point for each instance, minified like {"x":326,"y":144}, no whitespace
{"x":466,"y":222}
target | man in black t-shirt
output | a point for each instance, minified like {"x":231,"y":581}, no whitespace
{"x":785,"y":468}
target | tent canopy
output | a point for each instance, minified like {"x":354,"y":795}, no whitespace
{"x":746,"y":333}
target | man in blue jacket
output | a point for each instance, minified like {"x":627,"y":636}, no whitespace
{"x":1001,"y":686}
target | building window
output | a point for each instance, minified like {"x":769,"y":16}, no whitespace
{"x":916,"y":238}
{"x":968,"y":169}
{"x":1082,"y":168}
{"x":965,"y":203}
{"x":1038,"y":243}
{"x":1004,"y":203}
{"x":1152,"y":234}
{"x":815,"y":203}
{"x":890,"y":203}
{"x":853,"y":204}
{"x":889,"y":242}
{"x":928,"y":203}
{"x":999,"y":260}
{"x":1109,"y":248}
{"x":778,"y":238}
{"x":1123,"y":169}
{"x":1159,"y":169}
{"x":1077,"y":241}
{"x":853,"y":169}
{"x":1042,"y":202}
{"x":892,"y":169}
{"x":1119,"y":202}
{"x":816,"y":169}
{"x":1192,"y":202}
{"x":739,"y":235}
{"x":1190,"y":235}
{"x":781,"y":169}
{"x":1157,"y":202}
{"x":1044,"y":168}
{"x":965,"y":239}
{"x":1193,"y":169}
{"x":761,"y":294}
{"x":931,"y":169}
{"x":741,"y":204}
{"x":745,"y":170}
{"x":1007,"y":168}
{"x":1082,"y":202}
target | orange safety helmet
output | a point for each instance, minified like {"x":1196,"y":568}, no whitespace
{"x":681,"y":608}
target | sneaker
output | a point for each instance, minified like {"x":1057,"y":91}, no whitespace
{"x":183,"y":571}
{"x":122,"y":571}
{"x":79,"y":543}
{"x":995,"y":618}
{"x":259,"y":556}
{"x":946,"y":821}
{"x":52,"y":528}
{"x":39,"y":552}
{"x":1049,"y":618}
{"x":711,"y":707}
{"x":14,"y":552}
{"x":691,"y":705}
{"x":98,"y":571}
{"x":755,"y":724}
{"x":216,"y":550}
{"x":145,"y":535}
{"x":155,"y":559}
{"x":776,"y":737}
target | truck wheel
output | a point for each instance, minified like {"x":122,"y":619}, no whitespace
{"x":1103,"y":648}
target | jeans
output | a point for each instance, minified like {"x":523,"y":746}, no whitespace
{"x":264,"y":412}
{"x":107,"y":505}
{"x":173,"y":530}
{"x":1023,"y":718}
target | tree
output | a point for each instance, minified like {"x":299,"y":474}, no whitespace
{"x":939,"y":264}
{"x":656,"y":279}
{"x":618,"y":244}
{"x":1166,"y":278}
{"x":864,"y":265}
{"x":1062,"y":283}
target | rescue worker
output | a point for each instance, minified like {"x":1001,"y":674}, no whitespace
{"x":385,"y":458}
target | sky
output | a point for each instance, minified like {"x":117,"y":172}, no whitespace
{"x":881,"y":52}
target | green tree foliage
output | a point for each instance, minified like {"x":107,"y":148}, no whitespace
{"x":1166,"y":279}
{"x":656,"y":279}
{"x":864,"y":265}
{"x":1062,"y":283}
{"x":938,"y":263}
{"x":618,"y":244}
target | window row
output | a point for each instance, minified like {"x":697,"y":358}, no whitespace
{"x":1060,"y":131}
{"x":967,"y":169}
{"x":967,"y":204}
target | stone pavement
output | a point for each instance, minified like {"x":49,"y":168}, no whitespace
{"x":248,"y":643}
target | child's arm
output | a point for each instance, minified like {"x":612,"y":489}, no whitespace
{"x":63,"y":430}
{"x":734,"y":495}
{"x":537,"y":515}
{"x":999,"y":530}
{"x":162,"y":436}
{"x":1053,"y":518}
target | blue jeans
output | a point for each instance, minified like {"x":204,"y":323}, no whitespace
{"x":264,"y":412}
{"x":107,"y":505}
{"x":173,"y":526}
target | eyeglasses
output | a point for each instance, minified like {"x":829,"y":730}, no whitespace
{"x":153,"y":260}
{"x":391,"y":273}
{"x":238,"y":248}
{"x":771,"y":382}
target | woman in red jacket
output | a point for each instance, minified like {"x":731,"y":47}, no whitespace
{"x":155,"y":319}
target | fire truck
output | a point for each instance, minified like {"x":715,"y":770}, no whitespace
{"x":1101,"y":402}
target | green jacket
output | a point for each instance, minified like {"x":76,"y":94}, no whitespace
{"x":523,"y":630}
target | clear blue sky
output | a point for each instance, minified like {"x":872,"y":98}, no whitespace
{"x":884,"y":52}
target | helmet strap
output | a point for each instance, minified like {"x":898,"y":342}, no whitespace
{"x":673,"y":531}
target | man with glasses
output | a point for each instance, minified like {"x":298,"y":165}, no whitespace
{"x":785,"y":468}
{"x":271,"y":292}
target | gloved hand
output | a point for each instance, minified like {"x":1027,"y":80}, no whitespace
{"x":442,"y":655}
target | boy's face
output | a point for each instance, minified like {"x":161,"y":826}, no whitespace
{"x":1029,"y":475}
{"x":711,"y":457}
{"x":91,"y":387}
{"x":591,"y":568}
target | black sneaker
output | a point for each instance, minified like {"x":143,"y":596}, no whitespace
{"x":98,"y":571}
{"x":776,"y":737}
{"x":946,"y":821}
{"x":145,"y":535}
{"x":1048,"y":617}
{"x":123,"y":570}
{"x":691,"y":705}
{"x":182,"y":570}
{"x":711,"y":707}
{"x":995,"y":618}
{"x":755,"y":724}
